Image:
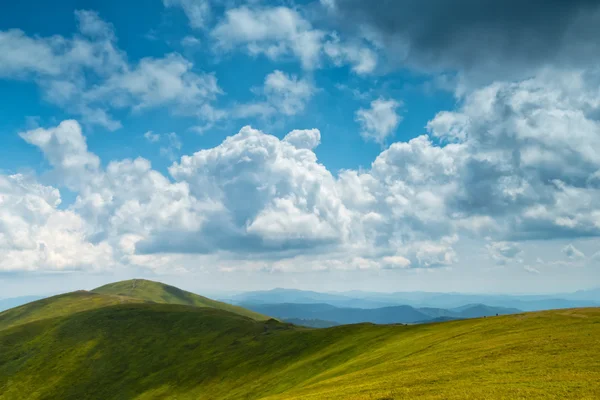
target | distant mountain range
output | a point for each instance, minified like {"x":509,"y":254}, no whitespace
{"x":385,"y":315}
{"x":311,"y":323}
{"x":359,"y":299}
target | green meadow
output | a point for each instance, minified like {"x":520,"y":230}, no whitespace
{"x":117,"y":344}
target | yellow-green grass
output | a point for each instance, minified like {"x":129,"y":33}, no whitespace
{"x":158,"y":351}
{"x":160,"y":293}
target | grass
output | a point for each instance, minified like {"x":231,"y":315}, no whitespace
{"x":160,"y":293}
{"x":159,"y":351}
{"x":61,"y":305}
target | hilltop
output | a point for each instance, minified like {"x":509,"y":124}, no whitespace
{"x":145,"y":350}
{"x":157,"y":292}
{"x":131,"y":291}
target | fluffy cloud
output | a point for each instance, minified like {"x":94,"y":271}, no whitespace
{"x":66,"y":149}
{"x":362,"y":58}
{"x":284,"y":95}
{"x":304,"y":138}
{"x":287,"y":92}
{"x":380,"y":120}
{"x":158,"y":82}
{"x":276,"y":196}
{"x":275,"y":32}
{"x":36,"y":235}
{"x":254,"y":192}
{"x":88,"y":75}
{"x":515,"y":161}
{"x":532,"y":152}
{"x":281,"y":32}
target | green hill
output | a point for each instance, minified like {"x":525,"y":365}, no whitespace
{"x":58,"y":306}
{"x":160,"y":293}
{"x":165,"y":351}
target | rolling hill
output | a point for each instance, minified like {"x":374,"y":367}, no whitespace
{"x":145,"y":350}
{"x":157,"y":292}
{"x":59,"y":306}
{"x":132,"y":291}
{"x":12,"y":302}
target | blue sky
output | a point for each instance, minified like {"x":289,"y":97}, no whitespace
{"x":156,"y":32}
{"x":249,"y":145}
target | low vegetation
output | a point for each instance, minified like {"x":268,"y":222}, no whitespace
{"x":160,"y":293}
{"x":146,"y":350}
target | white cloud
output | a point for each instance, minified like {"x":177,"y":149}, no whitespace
{"x":88,"y":75}
{"x":287,"y":92}
{"x":281,"y":32}
{"x":275,"y":32}
{"x":90,"y":24}
{"x":362,"y":59}
{"x":519,"y":161}
{"x":276,"y":196}
{"x":36,"y":235}
{"x":531,"y":152}
{"x":531,"y":270}
{"x":198,"y":12}
{"x":172,"y":147}
{"x":284,"y":95}
{"x":190,"y":41}
{"x":380,"y":120}
{"x":573,"y":252}
{"x":152,"y":137}
{"x":394,"y":262}
{"x":158,"y":82}
{"x":304,"y":138}
{"x":21,"y":55}
{"x":504,"y":252}
{"x":66,"y":149}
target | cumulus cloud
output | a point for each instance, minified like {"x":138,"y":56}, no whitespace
{"x":304,"y":138}
{"x":515,"y":161}
{"x":531,"y":154}
{"x":380,"y":120}
{"x":289,"y":200}
{"x":36,"y":235}
{"x":66,"y":149}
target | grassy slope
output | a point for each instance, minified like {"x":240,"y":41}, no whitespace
{"x":58,"y":306}
{"x":148,"y":351}
{"x":161,"y":293}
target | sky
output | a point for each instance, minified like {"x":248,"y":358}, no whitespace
{"x":329,"y":145}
